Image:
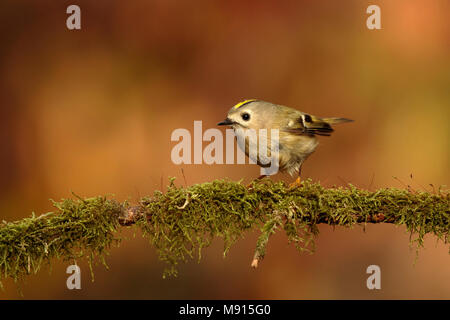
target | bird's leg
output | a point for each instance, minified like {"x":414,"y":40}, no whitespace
{"x":298,"y":181}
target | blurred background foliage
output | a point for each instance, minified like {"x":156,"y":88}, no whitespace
{"x":92,"y":111}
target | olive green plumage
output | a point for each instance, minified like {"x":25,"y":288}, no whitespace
{"x":298,"y":131}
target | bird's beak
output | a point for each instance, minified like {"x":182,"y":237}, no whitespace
{"x":225,"y":122}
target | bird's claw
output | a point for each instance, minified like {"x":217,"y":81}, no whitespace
{"x":297,"y":183}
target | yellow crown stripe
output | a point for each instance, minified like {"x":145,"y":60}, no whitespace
{"x":243,"y":102}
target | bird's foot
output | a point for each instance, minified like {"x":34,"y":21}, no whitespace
{"x":297,"y":183}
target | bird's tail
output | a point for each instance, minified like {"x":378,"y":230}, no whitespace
{"x":321,"y":126}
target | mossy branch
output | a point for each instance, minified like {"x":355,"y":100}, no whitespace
{"x":182,"y":221}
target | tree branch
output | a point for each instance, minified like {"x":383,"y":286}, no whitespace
{"x":182,"y":221}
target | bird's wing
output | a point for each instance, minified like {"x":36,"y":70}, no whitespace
{"x":307,"y":124}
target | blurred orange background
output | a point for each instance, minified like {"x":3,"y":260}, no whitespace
{"x":92,"y":111}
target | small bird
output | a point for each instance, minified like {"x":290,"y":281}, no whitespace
{"x":297,"y":131}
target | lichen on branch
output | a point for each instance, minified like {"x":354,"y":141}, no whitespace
{"x":182,"y":221}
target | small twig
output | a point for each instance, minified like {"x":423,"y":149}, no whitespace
{"x":184,"y":177}
{"x":371,"y":181}
{"x":188,"y":197}
{"x":268,"y":229}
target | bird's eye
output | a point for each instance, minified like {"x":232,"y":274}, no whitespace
{"x":308,"y":118}
{"x":245,"y":116}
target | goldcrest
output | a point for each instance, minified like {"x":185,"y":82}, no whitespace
{"x":297,"y":131}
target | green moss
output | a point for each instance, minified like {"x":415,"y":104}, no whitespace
{"x":183,"y":221}
{"x":80,"y":228}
